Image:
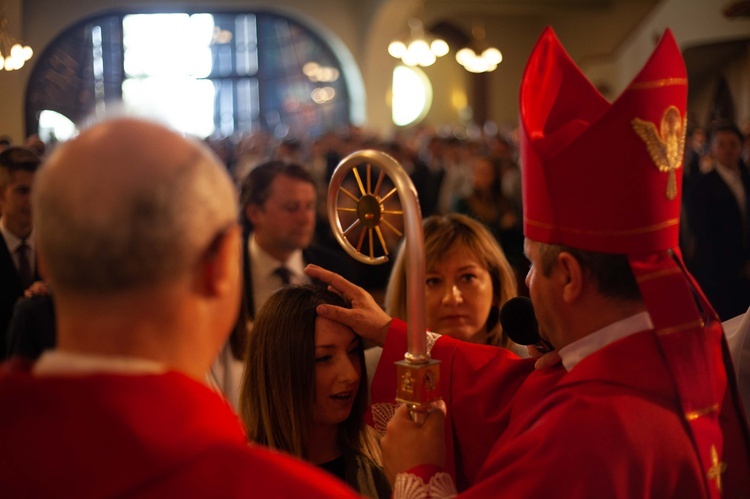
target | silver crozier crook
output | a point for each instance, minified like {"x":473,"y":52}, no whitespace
{"x":418,"y":375}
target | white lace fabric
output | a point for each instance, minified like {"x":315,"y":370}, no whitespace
{"x":410,"y":486}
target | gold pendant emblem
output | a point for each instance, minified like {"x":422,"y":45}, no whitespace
{"x":665,"y":146}
{"x":717,"y":468}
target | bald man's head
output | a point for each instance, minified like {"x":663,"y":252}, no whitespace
{"x":128,"y":204}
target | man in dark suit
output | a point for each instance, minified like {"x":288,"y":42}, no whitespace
{"x":17,"y":252}
{"x":279,"y":210}
{"x":719,"y":215}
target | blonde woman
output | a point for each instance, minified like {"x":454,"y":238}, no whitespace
{"x":467,"y":280}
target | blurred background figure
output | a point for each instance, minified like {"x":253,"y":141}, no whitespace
{"x":18,"y":269}
{"x":487,"y":203}
{"x":36,"y":144}
{"x":718,"y":217}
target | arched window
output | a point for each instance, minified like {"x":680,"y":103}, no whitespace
{"x":207,"y":74}
{"x":412,"y":95}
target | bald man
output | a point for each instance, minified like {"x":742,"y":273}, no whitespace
{"x":137,"y":235}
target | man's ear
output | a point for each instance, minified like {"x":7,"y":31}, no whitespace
{"x":572,"y":276}
{"x":219,"y":269}
{"x":251,"y":212}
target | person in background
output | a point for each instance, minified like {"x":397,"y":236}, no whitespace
{"x":487,"y":203}
{"x":31,"y":330}
{"x":278,"y":209}
{"x":468,"y":279}
{"x":36,"y":144}
{"x":719,"y":217}
{"x":290,"y":150}
{"x":18,"y":269}
{"x":138,"y":237}
{"x":457,"y":175}
{"x":304,"y":389}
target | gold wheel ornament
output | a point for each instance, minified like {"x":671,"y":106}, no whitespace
{"x":418,"y":375}
{"x":371,"y":223}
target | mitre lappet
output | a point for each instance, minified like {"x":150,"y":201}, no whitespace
{"x":607,"y":177}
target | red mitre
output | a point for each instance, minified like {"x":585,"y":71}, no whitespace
{"x":607,"y":178}
{"x":596,"y":174}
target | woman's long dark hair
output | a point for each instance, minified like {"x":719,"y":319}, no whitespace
{"x":278,"y":385}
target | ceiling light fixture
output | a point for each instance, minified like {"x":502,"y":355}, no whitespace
{"x":418,"y":50}
{"x":485,"y":62}
{"x":12,"y":54}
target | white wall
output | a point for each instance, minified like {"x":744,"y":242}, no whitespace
{"x":693,"y":23}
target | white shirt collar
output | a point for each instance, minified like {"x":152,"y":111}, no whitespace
{"x":264,"y":282}
{"x":575,"y":352}
{"x":55,"y":363}
{"x":733,"y":179}
{"x":727,"y":172}
{"x":12,"y":241}
{"x":264,"y":264}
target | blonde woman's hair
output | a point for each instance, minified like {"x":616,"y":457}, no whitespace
{"x":443,"y":234}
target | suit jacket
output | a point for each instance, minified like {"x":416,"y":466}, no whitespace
{"x":722,"y":243}
{"x":10,"y":290}
{"x":317,"y":255}
{"x":32,"y":327}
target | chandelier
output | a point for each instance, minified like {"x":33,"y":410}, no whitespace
{"x":474,"y":61}
{"x":12,"y":55}
{"x":418,"y":50}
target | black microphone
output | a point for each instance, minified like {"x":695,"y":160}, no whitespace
{"x":519,"y":323}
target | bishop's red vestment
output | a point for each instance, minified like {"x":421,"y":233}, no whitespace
{"x":611,"y":427}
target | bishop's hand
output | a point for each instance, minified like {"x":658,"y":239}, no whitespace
{"x":366,"y":317}
{"x":407,"y":444}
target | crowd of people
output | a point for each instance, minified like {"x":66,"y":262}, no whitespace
{"x":475,"y":174}
{"x":180,"y":321}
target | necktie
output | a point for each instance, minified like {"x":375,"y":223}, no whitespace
{"x":24,"y":267}
{"x":285,"y":274}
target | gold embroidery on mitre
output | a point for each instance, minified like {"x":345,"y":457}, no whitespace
{"x":680,"y":327}
{"x":665,"y":82}
{"x":657,"y":275}
{"x":693,"y":415}
{"x":716,"y":469}
{"x":609,"y":233}
{"x":666,"y":145}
